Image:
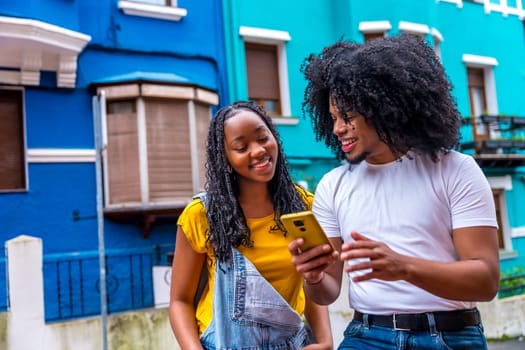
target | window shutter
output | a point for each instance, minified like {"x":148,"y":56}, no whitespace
{"x":372,"y":36}
{"x":123,"y":158}
{"x":169,"y":157}
{"x":12,"y":165}
{"x":262,"y":72}
{"x":475,"y":77}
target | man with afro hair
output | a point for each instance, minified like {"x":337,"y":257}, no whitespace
{"x":413,"y":220}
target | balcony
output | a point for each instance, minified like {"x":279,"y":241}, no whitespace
{"x":494,"y":141}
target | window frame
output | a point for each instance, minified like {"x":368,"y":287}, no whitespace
{"x":260,"y":50}
{"x":169,"y":11}
{"x":437,"y":39}
{"x":499,"y":186}
{"x":278,"y":39}
{"x":417,"y":29}
{"x":487,"y":64}
{"x":139,"y":92}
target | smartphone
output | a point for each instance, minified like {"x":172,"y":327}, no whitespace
{"x":304,"y":225}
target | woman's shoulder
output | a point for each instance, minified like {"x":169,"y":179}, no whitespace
{"x":194,"y":224}
{"x":195,"y":210}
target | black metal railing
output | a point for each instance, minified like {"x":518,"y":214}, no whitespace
{"x":510,"y":131}
{"x":72,"y":282}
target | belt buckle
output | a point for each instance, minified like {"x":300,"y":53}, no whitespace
{"x":396,"y":328}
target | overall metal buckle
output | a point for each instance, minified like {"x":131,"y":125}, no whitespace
{"x":396,"y":328}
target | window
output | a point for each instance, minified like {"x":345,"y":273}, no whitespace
{"x":500,"y":185}
{"x":263,"y":77}
{"x":437,"y":40}
{"x":267,"y":69}
{"x":154,"y":137}
{"x":12,"y":141}
{"x":482,"y":93}
{"x":161,"y":9}
{"x":478,"y":102}
{"x":498,"y":193}
{"x":374,"y":29}
{"x":372,"y":36}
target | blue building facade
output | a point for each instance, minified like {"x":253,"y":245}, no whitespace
{"x":152,"y":73}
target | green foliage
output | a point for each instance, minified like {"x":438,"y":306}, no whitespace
{"x":512,"y":283}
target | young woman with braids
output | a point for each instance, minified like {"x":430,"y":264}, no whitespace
{"x":413,"y":220}
{"x":254,"y":298}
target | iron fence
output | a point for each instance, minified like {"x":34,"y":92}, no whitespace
{"x":72,"y":281}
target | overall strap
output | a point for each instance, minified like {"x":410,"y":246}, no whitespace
{"x":203,"y":196}
{"x":203,"y":281}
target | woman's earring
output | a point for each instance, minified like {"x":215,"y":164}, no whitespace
{"x":229,"y":169}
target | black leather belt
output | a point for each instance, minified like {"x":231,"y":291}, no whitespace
{"x":445,"y":320}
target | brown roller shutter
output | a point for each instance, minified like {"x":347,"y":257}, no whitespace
{"x":169,"y":152}
{"x":12,"y":159}
{"x":123,"y":157}
{"x":263,"y":73}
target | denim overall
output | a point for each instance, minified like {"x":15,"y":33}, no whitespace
{"x":248,"y":313}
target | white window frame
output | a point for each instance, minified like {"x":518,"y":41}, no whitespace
{"x":367,"y":27}
{"x":459,"y":3}
{"x":58,"y":155}
{"x":414,"y":28}
{"x":504,"y":183}
{"x":277,"y":38}
{"x":143,"y":9}
{"x":488,"y":64}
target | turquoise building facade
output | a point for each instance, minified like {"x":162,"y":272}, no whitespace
{"x":481,"y":45}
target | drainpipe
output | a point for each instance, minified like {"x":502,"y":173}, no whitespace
{"x":99,"y":110}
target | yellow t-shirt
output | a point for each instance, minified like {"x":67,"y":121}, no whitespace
{"x":269,"y":254}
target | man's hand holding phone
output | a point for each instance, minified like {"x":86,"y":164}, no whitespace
{"x":312,"y":251}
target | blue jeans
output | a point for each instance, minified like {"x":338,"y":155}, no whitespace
{"x":249,"y":314}
{"x":359,"y":336}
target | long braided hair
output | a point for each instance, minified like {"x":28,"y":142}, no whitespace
{"x":227,"y":224}
{"x":397,"y":84}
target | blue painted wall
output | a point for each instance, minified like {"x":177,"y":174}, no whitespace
{"x":60,"y":204}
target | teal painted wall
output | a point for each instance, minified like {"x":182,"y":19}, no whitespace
{"x":313,"y":25}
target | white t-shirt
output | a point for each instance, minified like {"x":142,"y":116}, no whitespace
{"x":412,"y":205}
